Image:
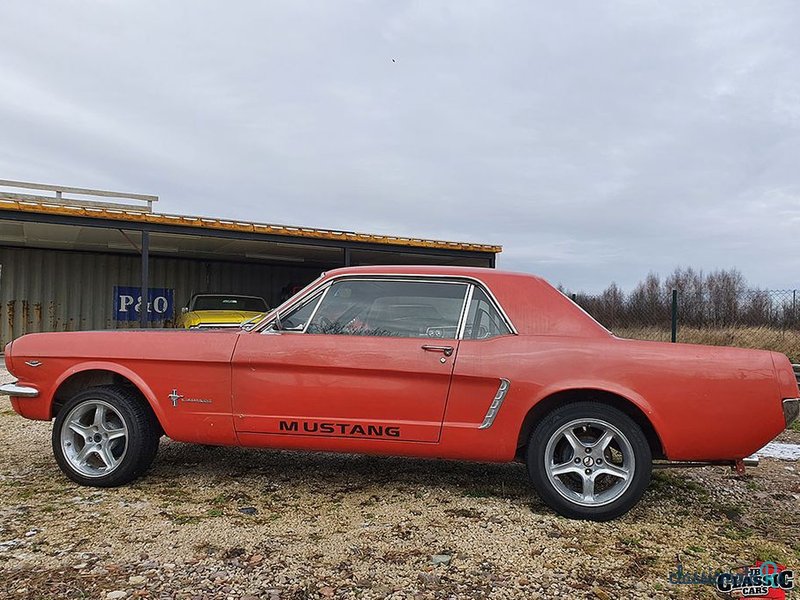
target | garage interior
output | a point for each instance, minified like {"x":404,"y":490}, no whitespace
{"x":65,"y":251}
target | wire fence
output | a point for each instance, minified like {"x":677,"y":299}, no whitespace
{"x":765,"y":319}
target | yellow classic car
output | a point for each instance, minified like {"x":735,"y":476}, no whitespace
{"x":220,"y":310}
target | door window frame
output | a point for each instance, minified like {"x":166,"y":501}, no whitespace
{"x":470,"y":282}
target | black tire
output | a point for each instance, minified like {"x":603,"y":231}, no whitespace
{"x":111,"y":458}
{"x":619,"y":472}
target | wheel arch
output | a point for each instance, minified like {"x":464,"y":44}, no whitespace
{"x":596,"y":394}
{"x":103,"y":373}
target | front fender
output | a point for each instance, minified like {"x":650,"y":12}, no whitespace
{"x":111,"y":367}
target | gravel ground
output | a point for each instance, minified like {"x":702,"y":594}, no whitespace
{"x":235,"y":523}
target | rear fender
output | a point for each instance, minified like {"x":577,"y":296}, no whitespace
{"x":612,"y":388}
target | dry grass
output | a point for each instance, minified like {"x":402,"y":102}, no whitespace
{"x":786,"y":341}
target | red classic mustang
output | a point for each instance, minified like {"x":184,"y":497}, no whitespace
{"x":456,"y":363}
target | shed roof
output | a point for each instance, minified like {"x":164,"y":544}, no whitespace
{"x":231,"y":225}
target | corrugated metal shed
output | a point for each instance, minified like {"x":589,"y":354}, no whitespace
{"x":61,"y":256}
{"x":50,"y":290}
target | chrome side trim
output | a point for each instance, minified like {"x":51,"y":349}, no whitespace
{"x":33,"y":363}
{"x":494,"y":407}
{"x":316,"y":308}
{"x":462,"y":321}
{"x":18,"y":391}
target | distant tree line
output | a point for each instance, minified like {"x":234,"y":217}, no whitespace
{"x":719,"y":298}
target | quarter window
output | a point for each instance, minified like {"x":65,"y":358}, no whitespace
{"x":391,"y":308}
{"x":483,"y":320}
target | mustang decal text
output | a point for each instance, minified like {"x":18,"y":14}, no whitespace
{"x":338,"y":429}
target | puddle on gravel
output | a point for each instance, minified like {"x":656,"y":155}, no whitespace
{"x":781,"y":451}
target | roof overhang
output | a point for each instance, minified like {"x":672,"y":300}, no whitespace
{"x":83,"y":216}
{"x":39,"y":225}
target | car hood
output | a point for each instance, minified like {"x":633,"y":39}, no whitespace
{"x":139,"y":344}
{"x":220,"y":316}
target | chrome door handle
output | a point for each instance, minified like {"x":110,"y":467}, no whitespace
{"x":446,"y":350}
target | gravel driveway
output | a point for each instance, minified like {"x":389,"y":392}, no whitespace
{"x":234,"y":523}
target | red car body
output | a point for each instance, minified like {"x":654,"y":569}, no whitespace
{"x":388,"y":395}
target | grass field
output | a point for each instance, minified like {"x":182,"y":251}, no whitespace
{"x":786,"y":341}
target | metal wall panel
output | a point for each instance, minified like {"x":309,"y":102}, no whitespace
{"x":56,"y":290}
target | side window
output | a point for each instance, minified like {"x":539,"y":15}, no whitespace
{"x":296,"y":319}
{"x":483,"y":320}
{"x":391,"y":309}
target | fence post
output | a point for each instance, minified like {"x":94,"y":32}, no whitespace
{"x":674,"y":316}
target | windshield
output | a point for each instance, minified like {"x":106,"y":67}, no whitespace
{"x":243,"y":303}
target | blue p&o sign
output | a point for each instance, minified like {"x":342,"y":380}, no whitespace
{"x":128,"y":303}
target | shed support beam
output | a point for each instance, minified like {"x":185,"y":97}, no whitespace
{"x":145,"y":278}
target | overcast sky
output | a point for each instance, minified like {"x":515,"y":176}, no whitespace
{"x":595,"y":141}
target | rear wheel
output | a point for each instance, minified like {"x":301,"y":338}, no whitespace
{"x":589,"y":461}
{"x":105,"y":437}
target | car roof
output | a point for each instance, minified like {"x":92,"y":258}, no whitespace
{"x":228,"y":296}
{"x":475,"y":272}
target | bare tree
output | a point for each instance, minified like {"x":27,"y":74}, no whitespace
{"x":720,"y":298}
{"x":647,"y":304}
{"x":725,"y":291}
{"x":691,"y":294}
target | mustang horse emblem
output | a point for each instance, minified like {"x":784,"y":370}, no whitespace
{"x":175,"y":396}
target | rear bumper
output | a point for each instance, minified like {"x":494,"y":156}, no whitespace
{"x":791,"y":409}
{"x":18,"y":391}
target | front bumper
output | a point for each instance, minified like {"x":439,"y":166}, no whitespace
{"x":791,"y":409}
{"x":18,"y":391}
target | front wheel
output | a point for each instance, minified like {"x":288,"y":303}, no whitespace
{"x":589,"y":461}
{"x":105,"y":437}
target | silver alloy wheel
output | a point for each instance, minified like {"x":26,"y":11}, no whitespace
{"x":589,"y":462}
{"x":94,"y":438}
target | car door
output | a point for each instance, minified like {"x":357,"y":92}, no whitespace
{"x":482,"y":378}
{"x":363,"y":359}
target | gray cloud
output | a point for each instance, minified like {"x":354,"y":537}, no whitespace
{"x":595,"y":141}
